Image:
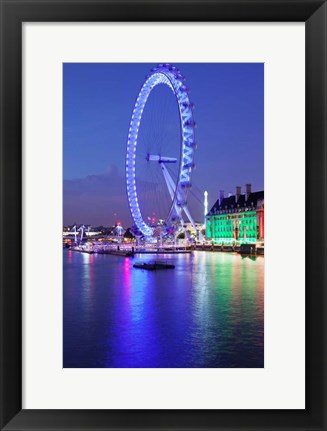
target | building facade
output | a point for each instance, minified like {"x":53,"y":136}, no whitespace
{"x":237,"y":219}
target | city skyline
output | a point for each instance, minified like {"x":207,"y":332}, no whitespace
{"x":98,"y":101}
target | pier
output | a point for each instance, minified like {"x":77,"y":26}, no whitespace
{"x":128,"y":250}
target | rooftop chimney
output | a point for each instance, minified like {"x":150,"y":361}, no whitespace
{"x":238,"y":193}
{"x":221,"y":196}
{"x":247,"y":191}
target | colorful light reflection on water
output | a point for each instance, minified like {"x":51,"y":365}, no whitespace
{"x":207,"y":312}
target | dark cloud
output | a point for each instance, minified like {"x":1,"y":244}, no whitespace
{"x":96,"y":199}
{"x":102,"y":200}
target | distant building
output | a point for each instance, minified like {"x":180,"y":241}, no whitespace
{"x":189,"y":226}
{"x":237,"y":218}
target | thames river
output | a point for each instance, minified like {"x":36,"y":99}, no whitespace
{"x":207,"y":312}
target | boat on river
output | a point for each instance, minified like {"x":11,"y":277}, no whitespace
{"x":151,"y":266}
{"x":125,"y":253}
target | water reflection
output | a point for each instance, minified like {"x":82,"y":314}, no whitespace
{"x":207,"y":312}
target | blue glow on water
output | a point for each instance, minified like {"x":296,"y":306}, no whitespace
{"x":207,"y":312}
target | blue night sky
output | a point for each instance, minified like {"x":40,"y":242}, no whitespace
{"x":98,"y":102}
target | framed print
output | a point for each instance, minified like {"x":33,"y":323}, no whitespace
{"x":163,"y":215}
{"x":191,"y":356}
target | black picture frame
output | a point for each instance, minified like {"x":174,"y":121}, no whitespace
{"x":13,"y":14}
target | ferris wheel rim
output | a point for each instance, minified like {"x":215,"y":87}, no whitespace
{"x":171,"y":76}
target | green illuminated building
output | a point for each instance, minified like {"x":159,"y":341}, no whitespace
{"x":237,"y":219}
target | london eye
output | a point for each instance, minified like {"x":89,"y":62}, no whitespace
{"x":160,"y":152}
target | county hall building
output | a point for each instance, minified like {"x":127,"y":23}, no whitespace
{"x":237,"y":219}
